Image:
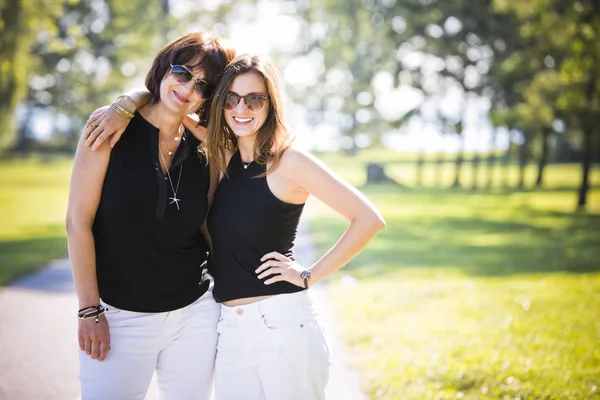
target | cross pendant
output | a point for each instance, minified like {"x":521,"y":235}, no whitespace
{"x":175,"y":200}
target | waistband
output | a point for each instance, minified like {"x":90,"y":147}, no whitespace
{"x":299,"y":303}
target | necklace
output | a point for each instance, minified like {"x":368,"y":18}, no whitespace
{"x":169,"y":152}
{"x":176,"y":138}
{"x":246,"y":165}
{"x":173,"y":199}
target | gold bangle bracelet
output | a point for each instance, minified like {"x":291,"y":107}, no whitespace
{"x":124,"y":96}
{"x":121,"y":110}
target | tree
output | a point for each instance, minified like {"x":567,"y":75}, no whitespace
{"x":89,"y":54}
{"x":570,"y":29}
{"x":19,"y":21}
{"x":79,"y":54}
{"x":351,"y":38}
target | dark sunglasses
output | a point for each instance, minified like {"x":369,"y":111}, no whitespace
{"x":183,"y":75}
{"x":254,"y":102}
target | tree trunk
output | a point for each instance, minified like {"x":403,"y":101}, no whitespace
{"x":14,"y":38}
{"x":543,"y":157}
{"x":475,"y":167}
{"x":458,"y":163}
{"x":419,"y":172}
{"x":439,"y":170}
{"x":491,"y":161}
{"x":585,"y":167}
{"x":507,"y":158}
{"x":523,"y":158}
{"x":588,"y":129}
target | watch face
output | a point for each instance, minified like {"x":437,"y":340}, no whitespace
{"x":305,"y":274}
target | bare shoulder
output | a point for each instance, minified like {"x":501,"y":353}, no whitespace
{"x":304,"y":169}
{"x":86,"y":153}
{"x":89,"y":163}
{"x":298,"y":158}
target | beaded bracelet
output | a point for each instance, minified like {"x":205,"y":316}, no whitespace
{"x":124,"y":96}
{"x":91,"y":312}
{"x":121,"y":110}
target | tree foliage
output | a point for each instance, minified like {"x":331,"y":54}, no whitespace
{"x":70,"y":55}
{"x":537,"y":63}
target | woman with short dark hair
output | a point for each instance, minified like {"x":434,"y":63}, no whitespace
{"x":136,"y":238}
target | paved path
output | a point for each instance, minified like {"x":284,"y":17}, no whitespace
{"x":344,"y":381}
{"x":38,"y":337}
{"x":38,"y":345}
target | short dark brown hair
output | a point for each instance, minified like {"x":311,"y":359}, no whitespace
{"x":274,"y":136}
{"x":194,"y":50}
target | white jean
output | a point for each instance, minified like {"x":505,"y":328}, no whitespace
{"x":180,"y":345}
{"x":273,"y":349}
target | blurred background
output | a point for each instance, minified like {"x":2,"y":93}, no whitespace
{"x":473,"y":126}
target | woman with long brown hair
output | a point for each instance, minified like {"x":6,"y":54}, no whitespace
{"x":271,"y":345}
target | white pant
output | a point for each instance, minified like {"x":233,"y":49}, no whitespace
{"x":272,"y":349}
{"x":180,"y":345}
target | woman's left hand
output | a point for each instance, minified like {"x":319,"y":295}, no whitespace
{"x":104,"y":123}
{"x":280,"y":268}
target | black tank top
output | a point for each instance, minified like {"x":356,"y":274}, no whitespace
{"x":149,"y":254}
{"x":246,"y":222}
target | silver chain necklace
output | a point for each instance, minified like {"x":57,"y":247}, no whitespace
{"x":170,"y":152}
{"x":176,"y":138}
{"x":173,"y":199}
{"x":246,"y":165}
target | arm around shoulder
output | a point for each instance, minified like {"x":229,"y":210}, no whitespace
{"x":191,"y":124}
{"x":111,"y":121}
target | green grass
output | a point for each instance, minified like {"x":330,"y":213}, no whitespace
{"x":33,"y":203}
{"x":489,"y":294}
{"x":451,"y":336}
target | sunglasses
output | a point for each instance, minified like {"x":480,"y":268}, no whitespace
{"x":183,"y":75}
{"x":254,"y":102}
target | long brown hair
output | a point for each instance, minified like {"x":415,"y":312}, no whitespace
{"x":197,"y":49}
{"x":273,"y":137}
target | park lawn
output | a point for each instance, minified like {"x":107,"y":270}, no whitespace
{"x":33,"y":202}
{"x":490,"y":294}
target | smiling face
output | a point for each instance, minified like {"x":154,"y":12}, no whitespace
{"x":199,"y":52}
{"x":243,"y":122}
{"x":181,"y":97}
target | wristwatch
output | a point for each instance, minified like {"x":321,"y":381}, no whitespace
{"x":306,"y":276}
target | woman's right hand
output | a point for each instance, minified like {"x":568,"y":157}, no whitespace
{"x":102,"y":124}
{"x":94,"y":338}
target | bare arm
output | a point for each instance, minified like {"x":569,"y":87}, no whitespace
{"x":214,"y":181}
{"x":89,"y":170}
{"x":192,"y":125}
{"x":365,"y":221}
{"x":105,"y":122}
{"x":313,"y":177}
